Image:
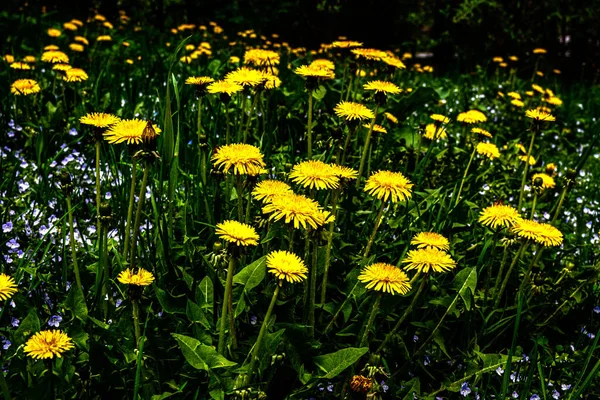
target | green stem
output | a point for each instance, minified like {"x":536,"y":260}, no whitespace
{"x":136,"y":321}
{"x":130,"y":208}
{"x":560,"y":204}
{"x":249,"y":117}
{"x":363,"y":157}
{"x":336,"y":195}
{"x":535,"y":196}
{"x":98,"y":197}
{"x":309,"y":127}
{"x":526,"y":169}
{"x":138,"y":216}
{"x":372,"y":237}
{"x":507,"y":277}
{"x":502,"y":265}
{"x":73,"y":244}
{"x":248,"y":204}
{"x":228,"y":287}
{"x":4,"y":386}
{"x":228,"y":123}
{"x":371,"y":320}
{"x":261,"y":335}
{"x":464,"y":177}
{"x":243,"y":114}
{"x":313,"y":288}
{"x":488,"y":265}
{"x":349,"y":85}
{"x":240,"y":197}
{"x":404,"y":315}
{"x":199,"y":121}
{"x":104,"y":267}
{"x":347,"y":143}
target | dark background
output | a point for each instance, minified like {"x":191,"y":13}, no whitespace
{"x":460,"y":33}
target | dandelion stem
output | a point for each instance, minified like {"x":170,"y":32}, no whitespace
{"x":136,"y":321}
{"x":404,"y":315}
{"x":228,"y":123}
{"x":507,"y":277}
{"x":225,"y":307}
{"x":334,"y":201}
{"x":199,"y":123}
{"x":526,"y":169}
{"x":372,"y":237}
{"x":348,"y":142}
{"x":239,"y":187}
{"x":249,"y":117}
{"x":130,"y":208}
{"x":261,"y":335}
{"x":464,"y":177}
{"x":104,"y":268}
{"x":243,"y":114}
{"x":363,"y":157}
{"x":313,"y":287}
{"x":98,"y":147}
{"x":309,"y":127}
{"x":535,"y":196}
{"x":561,"y":200}
{"x":138,"y":215}
{"x":371,"y":320}
{"x":73,"y":244}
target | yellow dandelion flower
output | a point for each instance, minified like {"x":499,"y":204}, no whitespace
{"x":75,"y":75}
{"x":386,"y":185}
{"x":266,"y":190}
{"x":497,"y":59}
{"x":8,"y":287}
{"x":100,"y":120}
{"x":482,"y":132}
{"x":385,"y":278}
{"x":104,"y":38}
{"x":346,"y":44}
{"x":54,"y":57}
{"x":391,"y":117}
{"x":199,"y":80}
{"x":271,"y":81}
{"x":517,"y":103}
{"x":345,"y":173}
{"x":308,"y":71}
{"x":245,"y":159}
{"x":261,"y":57}
{"x":70,"y":26}
{"x":296,"y":209}
{"x":238,"y":233}
{"x":532,"y":160}
{"x":376,"y":128}
{"x":353,"y":111}
{"x":539,"y":115}
{"x":140,"y":278}
{"x":127,"y":130}
{"x":224,"y":87}
{"x":489,"y":150}
{"x":471,"y":117}
{"x":370,"y":54}
{"x":245,"y":76}
{"x":555,"y":101}
{"x":29,"y":59}
{"x":76,"y":47}
{"x":9,"y":58}
{"x":81,"y":39}
{"x":435,"y":132}
{"x":323,"y":63}
{"x":394,"y":62}
{"x":537,"y":88}
{"x":547,"y":181}
{"x":544,"y":234}
{"x":499,"y":215}
{"x":382,"y":87}
{"x":314,"y":174}
{"x":24,"y":87}
{"x":426,"y":259}
{"x":20,"y":65}
{"x":514,"y":95}
{"x":513,"y":58}
{"x":51,"y":47}
{"x":286,"y":266}
{"x":440,"y":118}
{"x":539,"y":50}
{"x":48,"y":344}
{"x":430,"y":240}
{"x":53,"y":32}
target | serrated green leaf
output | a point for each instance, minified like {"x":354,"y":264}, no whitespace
{"x":200,"y":356}
{"x":333,"y":364}
{"x":252,"y":275}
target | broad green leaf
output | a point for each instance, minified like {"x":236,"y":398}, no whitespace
{"x":205,"y":294}
{"x":465,"y":281}
{"x":199,"y":355}
{"x":252,"y":275}
{"x":167,"y":302}
{"x":412,"y":387}
{"x":333,"y":364}
{"x":29,"y":326}
{"x":75,"y":303}
{"x":196,"y":315}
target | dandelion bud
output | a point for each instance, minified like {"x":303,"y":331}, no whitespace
{"x":551,"y":169}
{"x":217,"y":247}
{"x":538,"y":183}
{"x":65,"y":182}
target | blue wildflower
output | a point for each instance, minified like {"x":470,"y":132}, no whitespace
{"x":55,"y":321}
{"x":465,"y":390}
{"x":555,"y":394}
{"x":534,"y":397}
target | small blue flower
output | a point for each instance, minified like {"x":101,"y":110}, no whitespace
{"x":5,"y":343}
{"x":118,"y":303}
{"x":253,"y":320}
{"x":515,"y":395}
{"x":565,"y":387}
{"x":534,"y":397}
{"x":15,"y":322}
{"x":73,"y":132}
{"x":7,"y":227}
{"x":426,"y":361}
{"x":415,"y":338}
{"x":329,"y":387}
{"x":499,"y":371}
{"x":55,"y":321}
{"x":384,"y":387}
{"x":555,"y":394}
{"x":597,"y":309}
{"x":464,"y":389}
{"x":320,"y":387}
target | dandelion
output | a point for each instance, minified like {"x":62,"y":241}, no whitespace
{"x":323,"y":63}
{"x":370,"y":54}
{"x":426,"y":259}
{"x":295,"y":209}
{"x":127,"y":130}
{"x":104,"y":38}
{"x":489,"y":150}
{"x":139,"y":278}
{"x":314,"y":174}
{"x":48,"y":344}
{"x":224,"y":87}
{"x":385,"y":278}
{"x":24,"y":87}
{"x":382,"y":87}
{"x":314,"y":72}
{"x":481,"y":132}
{"x":430,"y":240}
{"x":245,"y":76}
{"x":391,"y":117}
{"x":199,"y":80}
{"x":471,"y":117}
{"x":8,"y":287}
{"x":99,"y":120}
{"x":539,"y":115}
{"x":76,"y":47}
{"x":499,"y":215}
{"x":353,"y":111}
{"x":75,"y":75}
{"x":20,"y":65}
{"x":532,"y":160}
{"x":517,"y":103}
{"x":244,"y":159}
{"x":435,"y":132}
{"x":544,"y":234}
{"x":261,"y":57}
{"x":547,"y":181}
{"x":53,"y":32}
{"x":361,"y":384}
{"x":386,"y":185}
{"x":266,"y":190}
{"x":440,"y":118}
{"x":54,"y":57}
{"x":286,"y":266}
{"x":61,"y":67}
{"x":237,"y":233}
{"x":346,"y":44}
{"x":539,"y":50}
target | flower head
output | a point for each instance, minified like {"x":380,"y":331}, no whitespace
{"x":75,"y":75}
{"x":314,"y":71}
{"x":489,"y":150}
{"x":547,"y":181}
{"x":20,"y":65}
{"x":544,"y":234}
{"x":376,"y":128}
{"x":261,"y":57}
{"x":238,"y":233}
{"x":432,"y":131}
{"x":245,"y":76}
{"x":386,"y":278}
{"x":244,"y":158}
{"x":323,"y":63}
{"x":286,"y":266}
{"x":61,"y":67}
{"x":370,"y":54}
{"x":499,"y":215}
{"x":127,"y":130}
{"x":427,"y":259}
{"x":540,"y":115}
{"x":8,"y":287}
{"x":266,"y":190}
{"x":100,"y":120}
{"x":48,"y":344}
{"x":224,"y":87}
{"x":314,"y":174}
{"x":345,"y":173}
{"x":76,"y":47}
{"x":532,"y":160}
{"x":24,"y":87}
{"x":430,"y":240}
{"x":353,"y":111}
{"x":482,"y":132}
{"x":382,"y":87}
{"x":471,"y":117}
{"x":199,"y":80}
{"x":296,"y":209}
{"x":140,"y":278}
{"x":55,"y":56}
{"x":345,"y":44}
{"x":391,"y":117}
{"x":539,"y":50}
{"x":388,"y":184}
{"x":53,"y":32}
{"x":440,"y":118}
